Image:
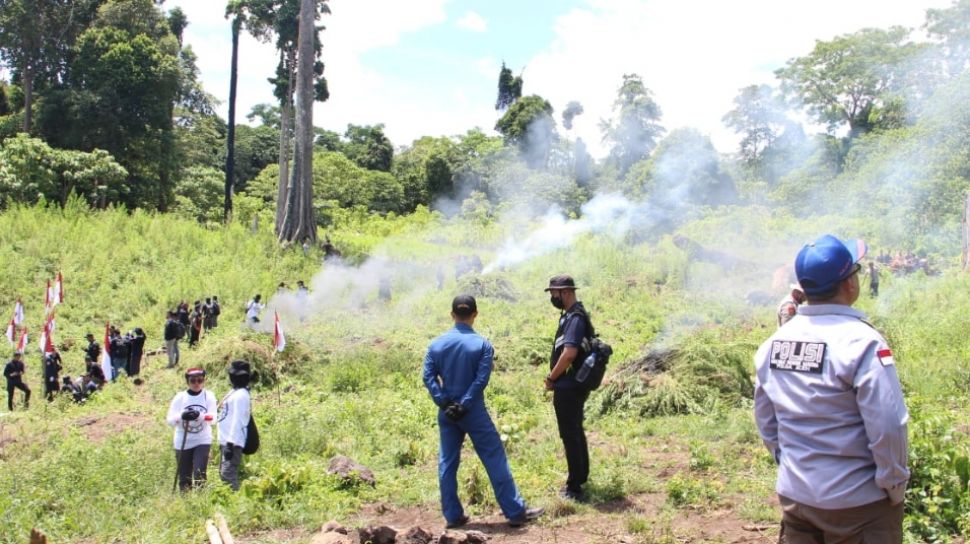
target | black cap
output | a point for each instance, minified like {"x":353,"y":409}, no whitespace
{"x":561,"y":281}
{"x":239,"y":368}
{"x":464,"y":305}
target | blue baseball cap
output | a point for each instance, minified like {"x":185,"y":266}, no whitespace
{"x":822,"y":264}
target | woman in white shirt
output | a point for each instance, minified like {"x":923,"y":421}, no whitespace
{"x":191,"y":413}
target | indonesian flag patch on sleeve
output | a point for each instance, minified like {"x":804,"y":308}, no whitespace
{"x":886,"y":357}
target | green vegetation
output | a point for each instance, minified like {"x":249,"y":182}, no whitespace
{"x":112,"y":172}
{"x":101,"y":471}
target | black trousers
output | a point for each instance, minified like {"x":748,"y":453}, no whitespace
{"x":51,"y":387}
{"x":17,"y":385}
{"x":569,"y":405}
{"x":192,"y":464}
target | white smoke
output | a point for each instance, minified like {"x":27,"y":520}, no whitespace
{"x":609,"y":213}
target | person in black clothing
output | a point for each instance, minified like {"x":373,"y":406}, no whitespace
{"x":207,"y":314}
{"x":94,"y":349}
{"x":118,"y":349}
{"x":14,"y":372}
{"x":182,"y":313}
{"x":570,"y":347}
{"x":52,"y":369}
{"x":71,"y":388}
{"x":195,"y":324}
{"x":172,"y":333}
{"x":216,"y":310}
{"x":93,"y":371}
{"x":136,"y":347}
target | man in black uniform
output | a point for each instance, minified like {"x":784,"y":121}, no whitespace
{"x":118,"y":349}
{"x":136,"y":349}
{"x":52,"y":369}
{"x":94,"y":349}
{"x":570,"y":347}
{"x":14,"y":372}
{"x":216,"y":310}
{"x":70,"y":388}
{"x":207,"y":314}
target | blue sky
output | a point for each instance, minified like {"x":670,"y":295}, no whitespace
{"x":430,"y":67}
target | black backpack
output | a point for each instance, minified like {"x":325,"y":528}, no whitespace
{"x":252,"y":437}
{"x":593,"y":345}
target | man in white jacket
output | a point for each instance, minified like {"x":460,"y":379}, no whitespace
{"x":234,"y":417}
{"x":831,"y":411}
{"x":191,"y":414}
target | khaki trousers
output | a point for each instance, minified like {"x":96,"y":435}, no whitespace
{"x":875,"y":523}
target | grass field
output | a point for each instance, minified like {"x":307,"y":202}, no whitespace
{"x":673,"y":455}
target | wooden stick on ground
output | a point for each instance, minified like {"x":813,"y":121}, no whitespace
{"x":224,"y":529}
{"x":210,"y":529}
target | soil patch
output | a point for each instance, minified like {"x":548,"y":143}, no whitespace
{"x":98,"y":427}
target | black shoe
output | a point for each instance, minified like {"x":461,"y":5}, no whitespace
{"x":573,"y":494}
{"x":527,"y":516}
{"x":460,"y":522}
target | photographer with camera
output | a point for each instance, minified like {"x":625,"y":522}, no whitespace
{"x":191,"y":414}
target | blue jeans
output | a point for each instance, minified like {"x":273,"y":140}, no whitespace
{"x":478,"y":425}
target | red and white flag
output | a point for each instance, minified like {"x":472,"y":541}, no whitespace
{"x":22,"y":343}
{"x":105,"y":354}
{"x":58,"y":289}
{"x":11,"y":330}
{"x":279,"y":339}
{"x":46,"y":339}
{"x":18,"y":312}
{"x":886,"y":357}
{"x":49,"y":297}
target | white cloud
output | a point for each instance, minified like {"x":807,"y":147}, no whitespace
{"x":693,"y":54}
{"x":473,"y":22}
{"x":488,"y":67}
{"x":359,"y":94}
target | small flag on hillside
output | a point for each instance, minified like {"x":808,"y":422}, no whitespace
{"x":22,"y":343}
{"x":105,"y":354}
{"x":58,"y":289}
{"x":11,"y":329}
{"x":49,"y":297}
{"x":279,"y":339}
{"x":18,"y":313}
{"x":46,"y":343}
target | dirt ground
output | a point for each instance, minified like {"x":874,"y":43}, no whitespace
{"x":607,"y":523}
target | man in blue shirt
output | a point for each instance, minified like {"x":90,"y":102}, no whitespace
{"x":830,"y":409}
{"x":456,"y":370}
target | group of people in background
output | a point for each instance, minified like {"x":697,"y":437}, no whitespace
{"x":194,"y":321}
{"x":124,"y":350}
{"x":901,"y":263}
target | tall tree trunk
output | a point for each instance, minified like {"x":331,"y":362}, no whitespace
{"x":231,"y":133}
{"x":299,"y":220}
{"x":286,"y":115}
{"x":28,"y":77}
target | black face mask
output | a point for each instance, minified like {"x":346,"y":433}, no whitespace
{"x":556,"y":301}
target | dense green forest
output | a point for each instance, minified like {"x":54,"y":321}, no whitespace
{"x":116,"y":170}
{"x":104,"y":101}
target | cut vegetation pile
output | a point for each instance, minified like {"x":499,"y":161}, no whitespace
{"x":691,"y":377}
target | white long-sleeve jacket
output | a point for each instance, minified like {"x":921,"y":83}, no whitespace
{"x":234,"y":417}
{"x":200,"y":430}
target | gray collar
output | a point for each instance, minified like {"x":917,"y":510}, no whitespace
{"x":830,"y":309}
